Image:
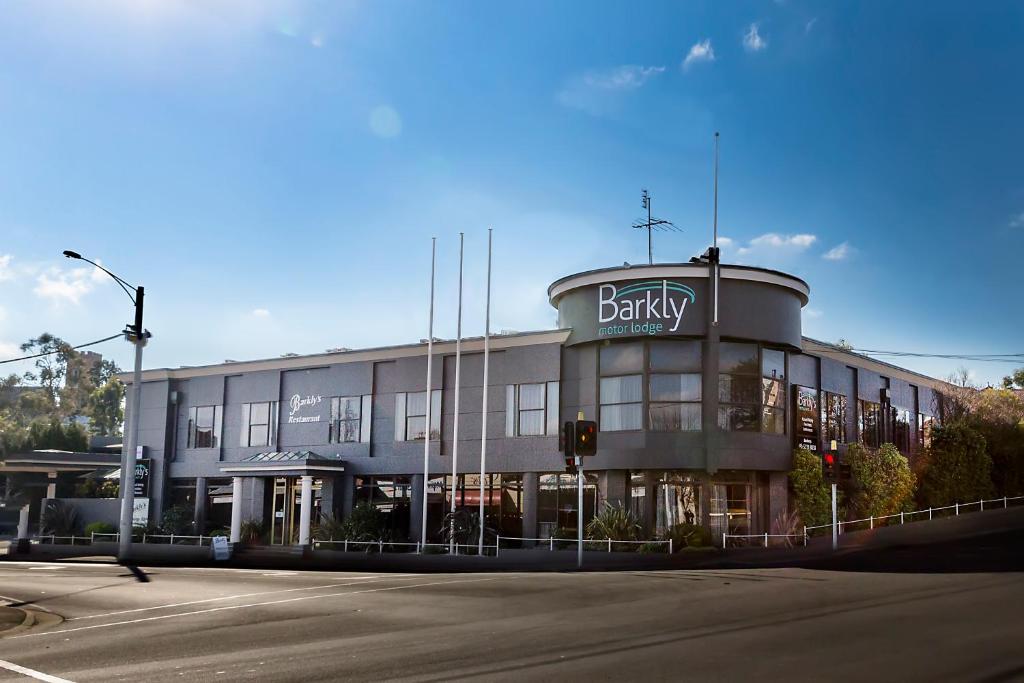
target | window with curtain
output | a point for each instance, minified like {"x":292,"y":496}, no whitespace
{"x":411,"y":415}
{"x":531,"y":409}
{"x":833,"y":417}
{"x":621,"y":387}
{"x":259,"y":424}
{"x":739,"y":387}
{"x":901,"y":429}
{"x":204,"y":426}
{"x":350,"y":419}
{"x":674,"y":386}
{"x":869,"y":423}
{"x":773,"y":391}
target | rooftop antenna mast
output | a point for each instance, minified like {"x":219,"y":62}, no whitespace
{"x":652,"y":224}
{"x":715,"y":255}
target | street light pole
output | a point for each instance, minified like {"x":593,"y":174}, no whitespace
{"x":137,"y":335}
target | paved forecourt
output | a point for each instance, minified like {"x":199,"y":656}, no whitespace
{"x":222,"y":624}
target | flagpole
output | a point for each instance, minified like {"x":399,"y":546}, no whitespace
{"x":426,"y":434}
{"x":483,"y":410}
{"x":455,"y":431}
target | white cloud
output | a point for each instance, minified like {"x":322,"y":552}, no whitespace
{"x":260,"y":313}
{"x":9,"y":350}
{"x":1015,"y":222}
{"x":700,"y":52}
{"x":67,"y":286}
{"x":597,"y":91}
{"x":753,"y":41}
{"x":726,"y":242}
{"x":812,"y":313}
{"x":773,"y":240}
{"x":839,"y":252}
{"x":770,"y":248}
{"x":385,"y":122}
{"x":810,"y":25}
{"x":6,"y":273}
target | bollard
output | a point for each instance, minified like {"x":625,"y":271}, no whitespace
{"x":380,"y":548}
{"x":669,"y":545}
{"x":872,"y":522}
{"x":497,"y":546}
{"x":957,"y":506}
{"x":901,"y":516}
{"x":805,"y":535}
{"x":723,"y":540}
{"x":929,"y":514}
{"x":346,"y":545}
{"x":551,"y":542}
{"x":981,"y":505}
{"x":766,"y":539}
{"x":172,"y":539}
{"x":609,"y":545}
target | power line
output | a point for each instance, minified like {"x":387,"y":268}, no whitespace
{"x":981,"y":357}
{"x":50,"y":353}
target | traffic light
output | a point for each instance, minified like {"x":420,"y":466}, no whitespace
{"x":828,"y":468}
{"x":586,"y":437}
{"x":568,"y":445}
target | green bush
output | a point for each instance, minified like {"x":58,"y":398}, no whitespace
{"x":177,"y":520}
{"x":957,"y":468}
{"x":252,"y":531}
{"x":616,"y":523}
{"x":60,"y":519}
{"x":220,"y":532}
{"x":688,"y":536}
{"x":881,"y":482}
{"x":99,"y":528}
{"x":811,"y":496}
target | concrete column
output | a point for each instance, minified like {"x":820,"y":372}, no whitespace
{"x":236,"y":509}
{"x":305,"y":508}
{"x":329,"y":496}
{"x":51,"y":485}
{"x":348,"y":493}
{"x":650,"y":501}
{"x":199,"y":514}
{"x":614,"y":486}
{"x":778,"y":496}
{"x":531,"y":482}
{"x":23,"y":521}
{"x":415,"y":510}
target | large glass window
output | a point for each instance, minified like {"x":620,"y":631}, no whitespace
{"x":531,"y":409}
{"x":730,"y":509}
{"x":259,"y":424}
{"x":674,"y":386}
{"x":391,"y":495}
{"x":351,"y":419}
{"x":204,"y":427}
{"x":773,"y":391}
{"x":411,"y":415}
{"x":833,"y":417}
{"x":925,"y":425}
{"x":678,"y":501}
{"x":558,"y":499}
{"x":901,"y":429}
{"x":621,"y":403}
{"x":739,"y":387}
{"x":869,"y":423}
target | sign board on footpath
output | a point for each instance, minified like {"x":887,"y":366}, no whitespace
{"x":221,"y":548}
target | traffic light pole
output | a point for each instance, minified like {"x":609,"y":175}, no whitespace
{"x":835,"y":524}
{"x":579,"y":512}
{"x":128,"y":459}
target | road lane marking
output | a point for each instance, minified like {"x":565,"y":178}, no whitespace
{"x":227,"y":597}
{"x":254,"y":604}
{"x":32,"y":673}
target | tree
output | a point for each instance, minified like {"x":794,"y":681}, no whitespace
{"x":881,"y":482}
{"x":957,"y":467}
{"x":1015,"y":380}
{"x":105,"y":408}
{"x":51,"y":369}
{"x":811,"y":496}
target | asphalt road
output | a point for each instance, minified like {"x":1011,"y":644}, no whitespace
{"x":730,"y":625}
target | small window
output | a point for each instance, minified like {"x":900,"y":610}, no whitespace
{"x":259,"y":424}
{"x":411,"y":415}
{"x":204,"y":427}
{"x":531,"y":409}
{"x":621,"y":403}
{"x":350,"y":419}
{"x":620,"y":359}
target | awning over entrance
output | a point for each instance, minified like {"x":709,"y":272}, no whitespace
{"x":50,"y":460}
{"x":285,"y":464}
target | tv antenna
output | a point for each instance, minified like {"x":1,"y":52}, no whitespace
{"x":652,"y":224}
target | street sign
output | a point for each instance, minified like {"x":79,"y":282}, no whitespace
{"x":221,"y":549}
{"x":807,"y":418}
{"x":143,"y":468}
{"x":140,"y":512}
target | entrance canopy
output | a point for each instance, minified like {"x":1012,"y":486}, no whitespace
{"x":285,"y":464}
{"x":50,"y":460}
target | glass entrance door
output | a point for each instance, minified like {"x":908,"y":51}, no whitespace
{"x":287,"y":502}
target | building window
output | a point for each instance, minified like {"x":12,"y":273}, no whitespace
{"x":389,"y":495}
{"x":259,"y":424}
{"x":674,"y":386}
{"x":925,"y":425}
{"x":869,"y":423}
{"x":350,"y":419}
{"x":621,"y":387}
{"x":204,"y":427}
{"x":557,"y":501}
{"x":739,"y":388}
{"x":730,"y":509}
{"x":833,"y":417}
{"x":773,"y":391}
{"x":678,"y":501}
{"x":531,"y":409}
{"x":901,"y":429}
{"x":411,"y":415}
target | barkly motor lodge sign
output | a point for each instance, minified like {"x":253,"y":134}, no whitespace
{"x":638,"y":308}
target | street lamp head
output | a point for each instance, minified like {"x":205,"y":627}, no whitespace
{"x":72,"y":254}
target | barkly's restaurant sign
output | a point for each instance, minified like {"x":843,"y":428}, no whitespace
{"x":643,"y":308}
{"x":298,"y":403}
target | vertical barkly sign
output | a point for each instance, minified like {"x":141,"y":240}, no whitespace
{"x":643,"y":308}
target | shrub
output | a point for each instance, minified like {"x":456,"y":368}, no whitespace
{"x":177,"y":520}
{"x":99,"y":528}
{"x":688,"y":536}
{"x":252,"y":531}
{"x":60,"y":519}
{"x":616,"y":523}
{"x":220,"y":532}
{"x":365,"y":523}
{"x":812,"y":499}
{"x":956,"y":468}
{"x":881,"y":482}
{"x":330,"y":528}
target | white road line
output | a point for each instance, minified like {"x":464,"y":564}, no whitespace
{"x":32,"y":673}
{"x":254,"y":604}
{"x":224,"y":597}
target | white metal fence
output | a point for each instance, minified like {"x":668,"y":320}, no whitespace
{"x":763,"y":539}
{"x":606,"y":544}
{"x":164,"y":539}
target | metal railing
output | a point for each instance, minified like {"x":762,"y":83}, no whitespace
{"x":918,"y":515}
{"x":401,"y":546}
{"x":172,"y":539}
{"x":761,"y":537}
{"x":595,"y":543}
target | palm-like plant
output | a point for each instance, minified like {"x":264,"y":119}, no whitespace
{"x":60,"y":519}
{"x":614,"y":522}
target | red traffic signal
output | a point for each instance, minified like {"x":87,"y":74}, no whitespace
{"x":586,"y":437}
{"x":828,"y":467}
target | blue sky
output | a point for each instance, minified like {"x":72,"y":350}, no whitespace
{"x":273,"y":172}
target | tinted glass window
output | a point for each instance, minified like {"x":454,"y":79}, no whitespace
{"x":619,"y":359}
